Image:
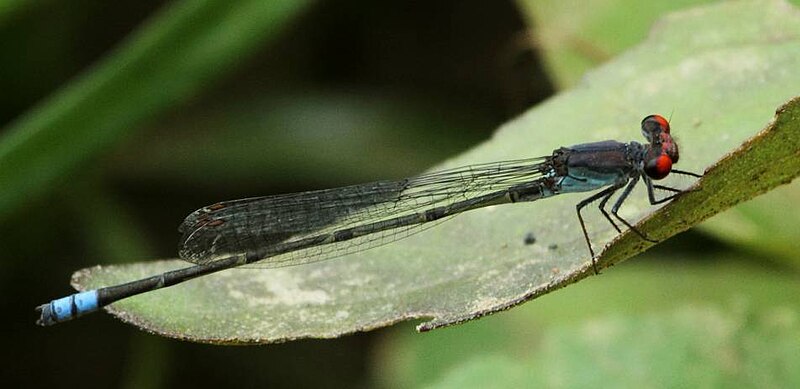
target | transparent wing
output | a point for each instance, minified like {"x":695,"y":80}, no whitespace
{"x":253,"y":225}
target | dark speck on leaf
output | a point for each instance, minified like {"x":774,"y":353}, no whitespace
{"x":530,"y":238}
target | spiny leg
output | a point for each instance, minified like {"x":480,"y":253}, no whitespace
{"x":602,"y":207}
{"x":676,"y":192}
{"x":652,"y":195}
{"x":622,"y":197}
{"x":604,"y":193}
{"x":667,"y":188}
{"x":685,"y":173}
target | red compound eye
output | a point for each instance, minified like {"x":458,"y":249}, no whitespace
{"x":662,"y":122}
{"x":658,"y":167}
{"x":654,"y":126}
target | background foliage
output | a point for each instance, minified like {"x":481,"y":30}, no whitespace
{"x":120,"y":118}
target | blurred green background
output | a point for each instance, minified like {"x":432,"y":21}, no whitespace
{"x":118,"y":119}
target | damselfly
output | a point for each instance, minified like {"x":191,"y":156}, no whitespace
{"x":300,"y":228}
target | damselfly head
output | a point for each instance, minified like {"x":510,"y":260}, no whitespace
{"x":669,"y":147}
{"x":663,"y":152}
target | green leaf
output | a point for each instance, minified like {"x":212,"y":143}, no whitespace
{"x":184,"y":48}
{"x":719,"y":323}
{"x":769,"y":224}
{"x":574,"y":39}
{"x":722,"y":71}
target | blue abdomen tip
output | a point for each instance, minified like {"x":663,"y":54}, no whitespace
{"x":70,"y":307}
